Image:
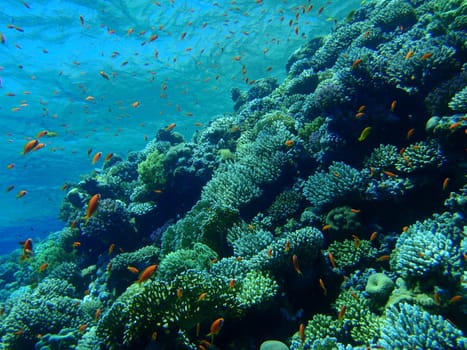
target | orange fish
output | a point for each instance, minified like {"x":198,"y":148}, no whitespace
{"x":10,"y":166}
{"x":179,"y":293}
{"x":231,"y":283}
{"x":288,"y":143}
{"x":320,"y":10}
{"x":202,"y":296}
{"x":323,"y":287}
{"x":295,"y":265}
{"x":332,"y":260}
{"x":301,"y":331}
{"x":373,"y":236}
{"x":27,"y":246}
{"x":38,"y":146}
{"x":326,"y":227}
{"x":98,"y":314}
{"x":29,"y":146}
{"x":361,"y":109}
{"x":355,"y":211}
{"x":82,"y":327}
{"x":76,"y":244}
{"x":92,"y":206}
{"x":356,"y":241}
{"x":393,"y":105}
{"x":455,"y":125}
{"x":21,"y":193}
{"x":409,"y":54}
{"x":170,"y":127}
{"x":455,"y":299}
{"x":436,"y":298}
{"x":426,"y":56}
{"x":111,"y":248}
{"x":108,"y":156}
{"x":341,"y":314}
{"x":41,"y":133}
{"x":405,"y":228}
{"x":133,"y":269}
{"x":43,"y":267}
{"x":215,"y":328}
{"x":410,"y":134}
{"x":135,"y":104}
{"x":383,"y":258}
{"x":287,"y":246}
{"x":96,"y":157}
{"x":269,"y":252}
{"x":237,"y":58}
{"x":356,"y":63}
{"x":389,"y":173}
{"x":147,"y":273}
{"x":446,"y":183}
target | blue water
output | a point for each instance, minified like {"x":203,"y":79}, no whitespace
{"x":51,"y":63}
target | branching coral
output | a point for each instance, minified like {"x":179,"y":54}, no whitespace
{"x":408,"y":327}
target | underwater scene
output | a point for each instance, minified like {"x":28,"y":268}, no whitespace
{"x":244,"y":174}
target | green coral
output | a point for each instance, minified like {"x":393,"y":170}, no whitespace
{"x":348,"y":256}
{"x":311,"y":127}
{"x":459,"y":101}
{"x":152,"y":172}
{"x":199,"y":258}
{"x":204,"y":223}
{"x":256,"y":289}
{"x":379,"y":287}
{"x":420,"y":156}
{"x":342,"y":221}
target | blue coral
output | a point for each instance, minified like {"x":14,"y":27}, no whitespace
{"x":409,"y":327}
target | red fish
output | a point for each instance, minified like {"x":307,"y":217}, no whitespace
{"x":341,"y":314}
{"x":301,"y":331}
{"x":92,"y":206}
{"x":108,"y":156}
{"x":323,"y":287}
{"x":215,"y":328}
{"x":295,"y":265}
{"x":147,"y":273}
{"x":356,"y":63}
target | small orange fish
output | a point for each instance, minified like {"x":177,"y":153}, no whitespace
{"x":356,"y":241}
{"x":295,"y":265}
{"x":455,"y":125}
{"x":373,"y":236}
{"x":445,"y":183}
{"x":202,"y":296}
{"x":41,"y":133}
{"x":383,"y":258}
{"x":10,"y":166}
{"x":361,"y":109}
{"x":135,"y":104}
{"x":355,"y":211}
{"x":82,"y":327}
{"x":21,"y":193}
{"x":405,"y":228}
{"x":326,"y":227}
{"x":147,"y":273}
{"x":111,"y":248}
{"x":38,"y":147}
{"x":354,"y":295}
{"x":231,"y":283}
{"x":237,"y":58}
{"x":269,"y":252}
{"x":76,"y":244}
{"x":356,"y":63}
{"x":393,"y":105}
{"x":301,"y":332}
{"x":320,"y":10}
{"x":389,"y":173}
{"x":43,"y":267}
{"x":426,"y":56}
{"x":97,"y":314}
{"x":288,"y":143}
{"x":332,"y":260}
{"x":359,"y":115}
{"x":323,"y":287}
{"x":409,"y":54}
{"x":92,"y":206}
{"x":108,"y":156}
{"x":29,"y":146}
{"x":96,"y":157}
{"x":215,"y":328}
{"x":179,"y":293}
{"x":133,"y":269}
{"x":287,"y":246}
{"x":170,"y":127}
{"x":455,"y":299}
{"x":341,"y":314}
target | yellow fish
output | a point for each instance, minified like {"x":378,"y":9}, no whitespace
{"x":364,"y":134}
